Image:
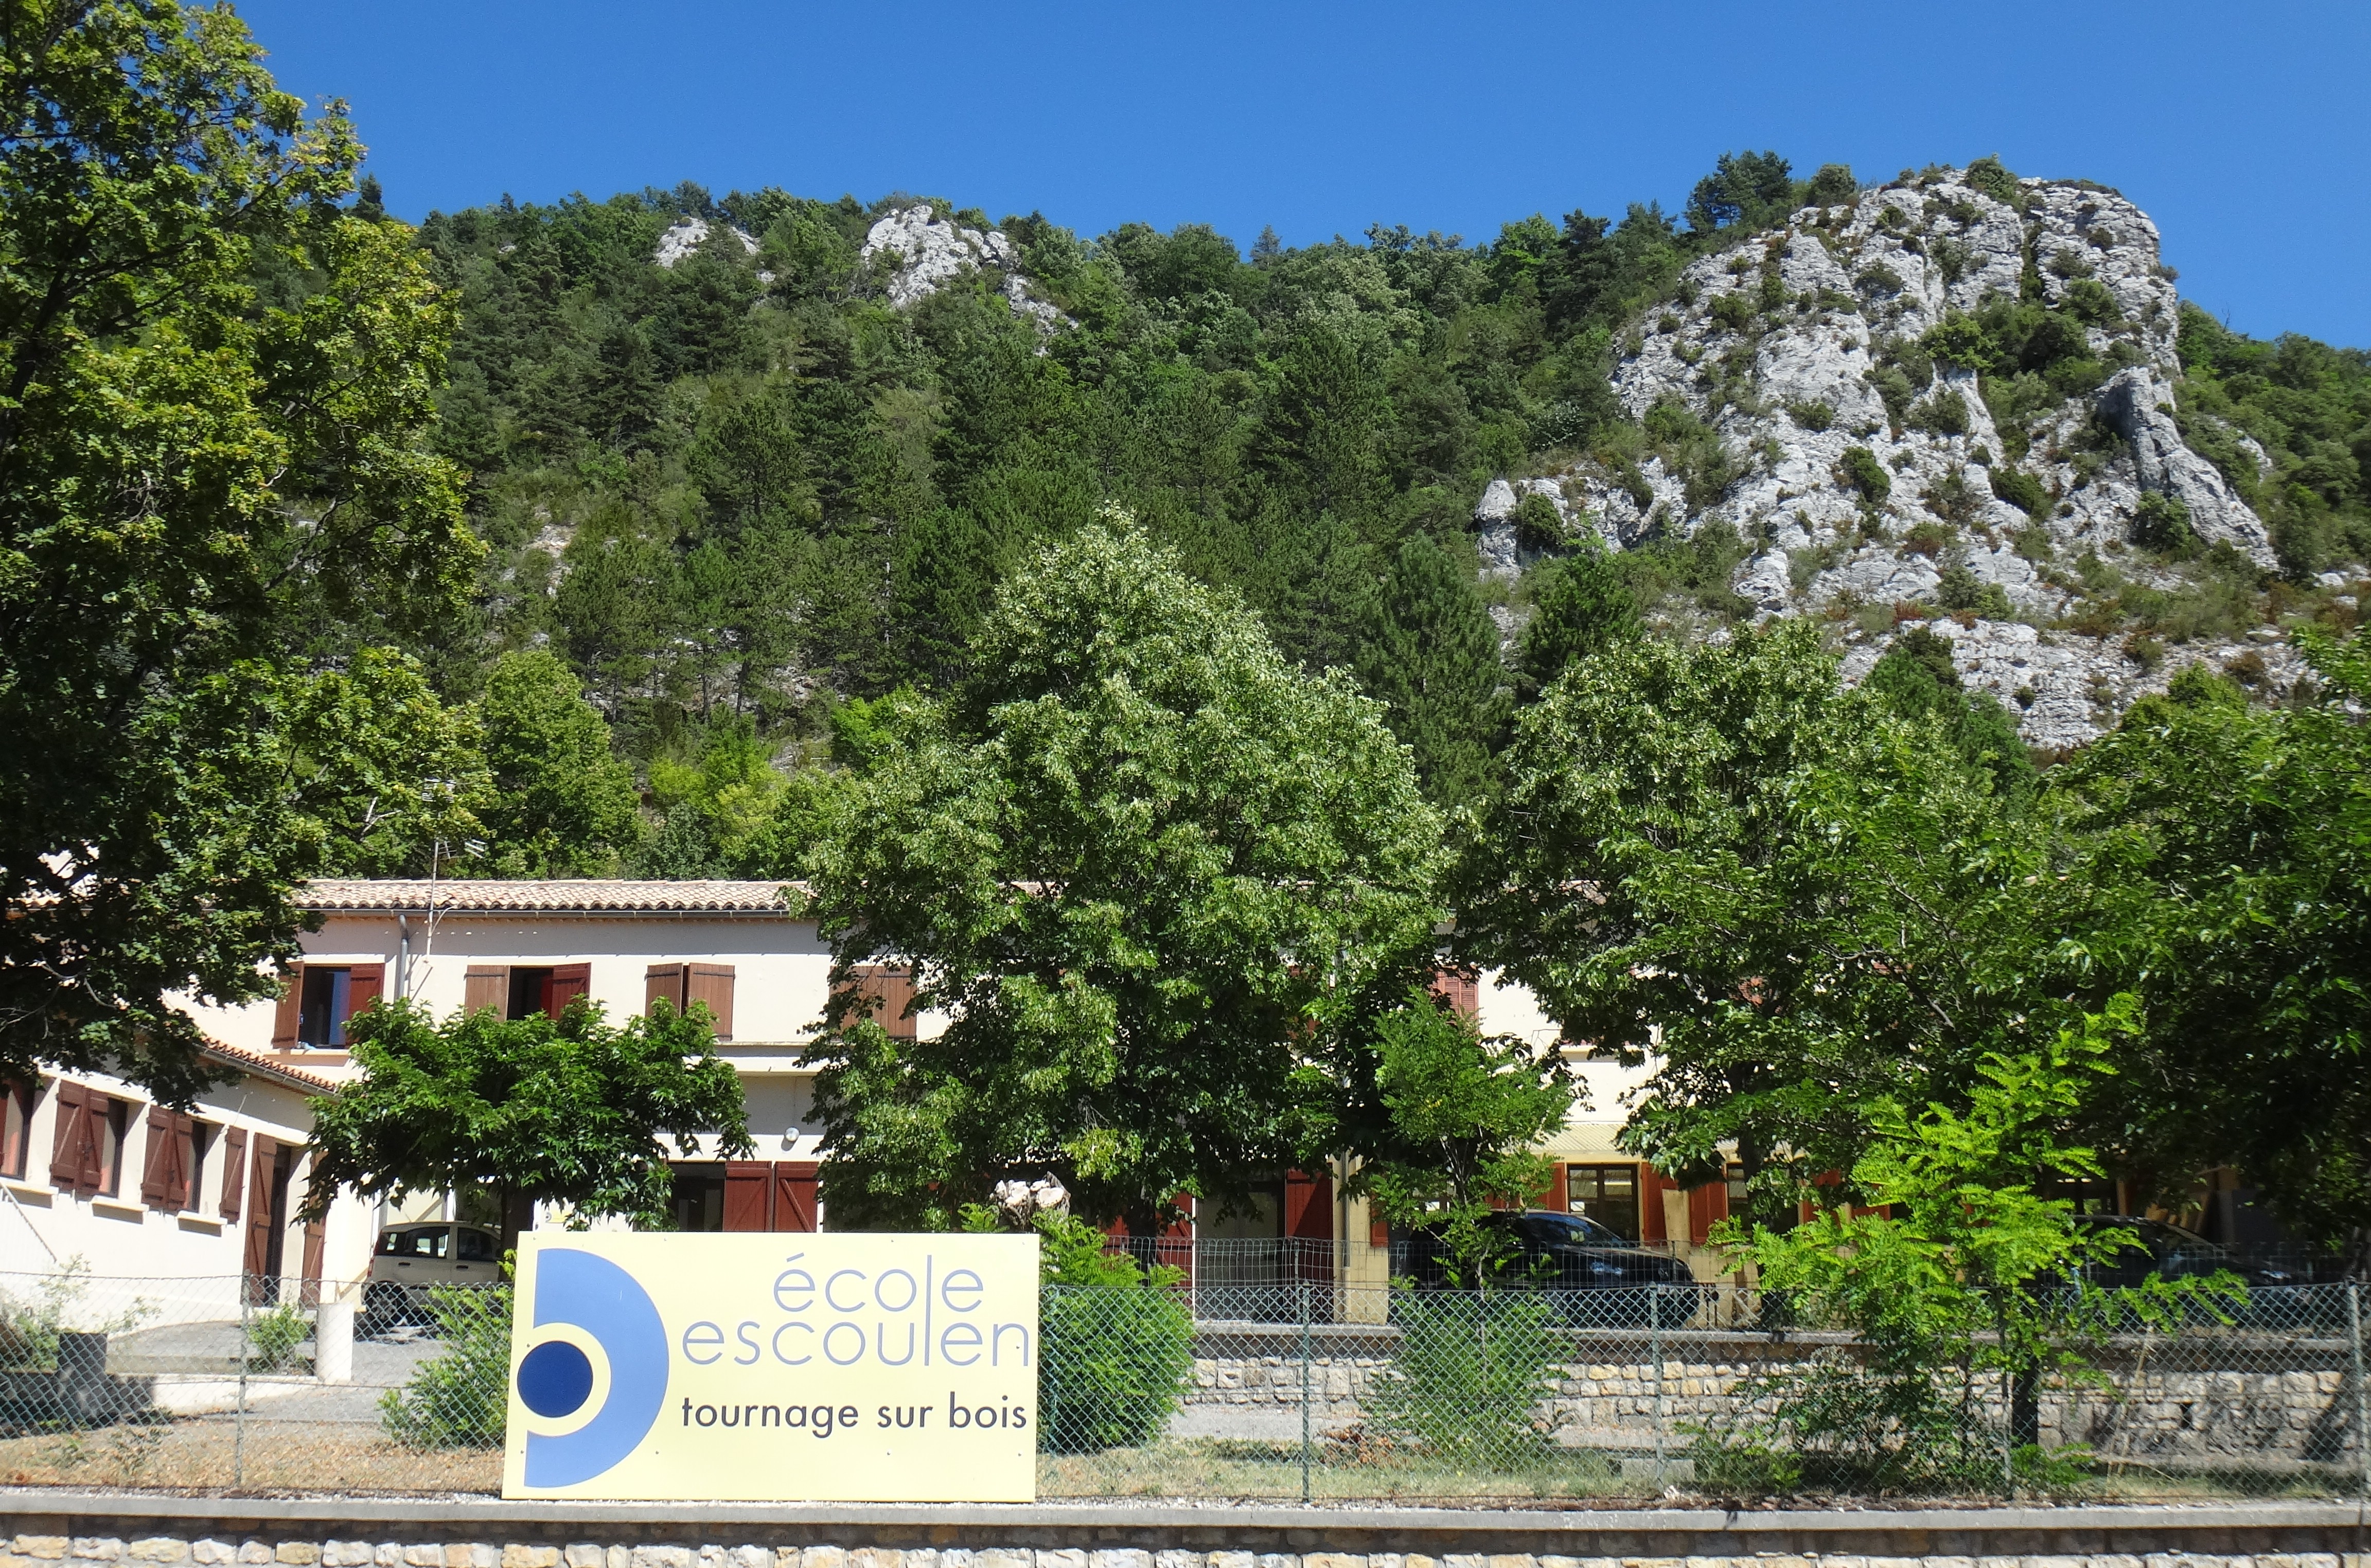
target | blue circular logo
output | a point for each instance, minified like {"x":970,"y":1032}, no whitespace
{"x":555,"y":1378}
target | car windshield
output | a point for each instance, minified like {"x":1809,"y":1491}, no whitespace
{"x":1570,"y":1230}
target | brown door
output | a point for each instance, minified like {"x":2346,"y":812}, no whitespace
{"x":748,"y":1194}
{"x":267,"y":1220}
{"x":795,"y":1194}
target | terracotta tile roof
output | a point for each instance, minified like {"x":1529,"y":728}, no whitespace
{"x":266,"y":1066}
{"x":549,"y":897}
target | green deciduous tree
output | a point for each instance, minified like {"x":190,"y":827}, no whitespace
{"x":2235,"y":843}
{"x":1128,"y":859}
{"x":562,"y":804}
{"x":195,"y":481}
{"x":1813,"y":901}
{"x":573,"y":1110}
{"x":1961,"y":1269}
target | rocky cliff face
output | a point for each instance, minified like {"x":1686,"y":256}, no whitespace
{"x":925,"y":252}
{"x":1786,"y":395}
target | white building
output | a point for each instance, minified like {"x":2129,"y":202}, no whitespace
{"x":524,"y":947}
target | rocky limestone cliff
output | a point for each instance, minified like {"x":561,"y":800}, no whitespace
{"x":1787,"y":347}
{"x":925,"y":252}
{"x":687,"y":235}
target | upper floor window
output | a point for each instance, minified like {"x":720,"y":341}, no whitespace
{"x":321,"y":1000}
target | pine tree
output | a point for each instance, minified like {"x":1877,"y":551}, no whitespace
{"x":1582,"y":607}
{"x":1428,"y":649}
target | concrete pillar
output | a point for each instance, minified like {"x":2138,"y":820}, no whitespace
{"x":333,"y":1340}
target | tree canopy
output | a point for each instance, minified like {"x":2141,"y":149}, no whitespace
{"x":1127,"y":861}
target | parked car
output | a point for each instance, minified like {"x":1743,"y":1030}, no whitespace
{"x":411,"y":1259}
{"x":2168,"y":1251}
{"x":1574,"y":1257}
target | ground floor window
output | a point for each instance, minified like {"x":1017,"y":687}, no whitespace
{"x":1606,"y":1194}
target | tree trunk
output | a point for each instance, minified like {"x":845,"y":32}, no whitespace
{"x":518,"y":1216}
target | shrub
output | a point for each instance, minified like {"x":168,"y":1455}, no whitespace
{"x":1538,"y":525}
{"x":1832,"y":186}
{"x":1945,"y":413}
{"x":1987,"y":175}
{"x":1962,"y":340}
{"x":1879,"y":278}
{"x":273,"y":1337}
{"x":2020,"y":489}
{"x":1894,"y":389}
{"x":1817,"y":414}
{"x":2161,"y":524}
{"x":1733,"y":311}
{"x":2089,"y":301}
{"x":1115,"y":1343}
{"x":458,"y":1401}
{"x":1859,"y":469}
{"x":1469,"y":1376}
{"x":1962,"y":589}
{"x":1926,"y":538}
{"x":2069,"y":262}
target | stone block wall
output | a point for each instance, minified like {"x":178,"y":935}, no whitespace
{"x":421,"y":1548}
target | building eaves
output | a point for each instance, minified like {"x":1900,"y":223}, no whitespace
{"x":569,"y":897}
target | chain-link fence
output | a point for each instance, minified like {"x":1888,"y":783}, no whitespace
{"x":1286,"y":1383}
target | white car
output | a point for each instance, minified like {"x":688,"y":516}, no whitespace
{"x":410,"y":1259}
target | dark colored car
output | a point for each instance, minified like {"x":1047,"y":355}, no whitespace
{"x":1567,"y":1255}
{"x":2168,"y":1251}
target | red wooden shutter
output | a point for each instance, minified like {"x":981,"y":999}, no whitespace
{"x":1558,"y":1195}
{"x":234,"y":1164}
{"x":258,"y":1209}
{"x":315,"y":1243}
{"x":285,"y":1019}
{"x":1309,"y":1206}
{"x":1378,"y":1229}
{"x":104,"y":1122}
{"x":663,"y":983}
{"x":1462,"y":991}
{"x":749,"y":1185}
{"x":65,"y":1152}
{"x":795,"y":1194}
{"x":569,"y":981}
{"x":364,"y":984}
{"x":713,"y":984}
{"x":157,"y":1167}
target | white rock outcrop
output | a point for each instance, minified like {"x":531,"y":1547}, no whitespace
{"x":1785,"y":347}
{"x":930,"y":252}
{"x":687,"y":235}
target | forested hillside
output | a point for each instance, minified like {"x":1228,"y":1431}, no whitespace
{"x":735,"y":472}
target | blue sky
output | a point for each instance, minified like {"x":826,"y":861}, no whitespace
{"x":2244,"y":131}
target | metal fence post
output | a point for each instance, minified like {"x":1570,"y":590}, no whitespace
{"x":238,"y":1418}
{"x":1304,"y":1389}
{"x":2362,"y":1394}
{"x":1655,"y":1344}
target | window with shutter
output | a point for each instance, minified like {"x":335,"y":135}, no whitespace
{"x":748,"y":1194}
{"x":111,"y":1122}
{"x":190,"y":1139}
{"x":795,"y":1194}
{"x":663,"y":983}
{"x":156,"y":1164}
{"x":711,"y":984}
{"x":569,"y":981}
{"x":365,"y":983}
{"x":486,"y":985}
{"x":16,"y":1132}
{"x":287,"y":1020}
{"x":68,"y":1156}
{"x":1459,"y":990}
{"x":234,"y":1164}
{"x":890,"y":987}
